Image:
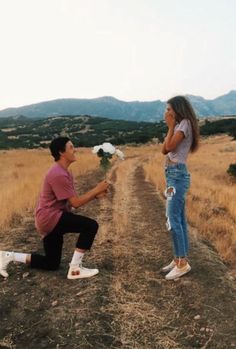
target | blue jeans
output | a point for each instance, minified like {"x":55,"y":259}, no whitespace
{"x":178,"y":182}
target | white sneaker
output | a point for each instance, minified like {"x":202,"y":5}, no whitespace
{"x":79,"y":272}
{"x":169,"y":267}
{"x":5,"y":259}
{"x":177,"y":272}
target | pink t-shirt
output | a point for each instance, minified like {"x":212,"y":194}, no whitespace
{"x":58,"y":187}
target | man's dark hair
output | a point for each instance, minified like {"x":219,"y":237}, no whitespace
{"x":58,"y":146}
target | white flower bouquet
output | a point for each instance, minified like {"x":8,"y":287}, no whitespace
{"x":106,"y":151}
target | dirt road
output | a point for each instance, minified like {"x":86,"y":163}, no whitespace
{"x":129,"y":304}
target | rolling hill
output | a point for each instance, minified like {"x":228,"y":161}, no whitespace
{"x":113,"y":108}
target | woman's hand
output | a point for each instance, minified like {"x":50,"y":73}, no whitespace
{"x":170,"y":120}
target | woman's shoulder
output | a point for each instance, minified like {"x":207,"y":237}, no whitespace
{"x":184,"y":122}
{"x":184,"y":126}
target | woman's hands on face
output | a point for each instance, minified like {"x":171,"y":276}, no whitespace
{"x":170,"y":119}
{"x":170,"y":116}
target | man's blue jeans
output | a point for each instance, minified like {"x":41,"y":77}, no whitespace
{"x":178,"y":182}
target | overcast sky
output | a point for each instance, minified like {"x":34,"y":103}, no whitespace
{"x":130,"y":49}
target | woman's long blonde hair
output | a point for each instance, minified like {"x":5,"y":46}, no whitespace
{"x":184,"y":110}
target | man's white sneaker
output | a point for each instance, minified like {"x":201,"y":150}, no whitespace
{"x":80,"y":272}
{"x":5,"y":259}
{"x":177,"y":272}
{"x":169,"y":267}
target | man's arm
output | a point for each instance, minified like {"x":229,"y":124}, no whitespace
{"x":77,"y":201}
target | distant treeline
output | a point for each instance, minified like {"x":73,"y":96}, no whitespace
{"x":220,"y":126}
{"x":87,"y":131}
{"x":84,"y":130}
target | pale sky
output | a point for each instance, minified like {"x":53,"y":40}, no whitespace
{"x":129,"y":49}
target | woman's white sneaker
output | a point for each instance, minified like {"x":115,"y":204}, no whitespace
{"x":169,"y":267}
{"x":5,"y":259}
{"x":80,"y":272}
{"x":178,"y":272}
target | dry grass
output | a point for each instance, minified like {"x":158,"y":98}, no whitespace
{"x":210,"y":204}
{"x":22,"y":172}
{"x":7,"y":343}
{"x":130,"y":304}
{"x":211,"y":201}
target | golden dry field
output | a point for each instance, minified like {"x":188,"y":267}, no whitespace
{"x":129,"y":304}
{"x":22,"y":173}
{"x":211,"y":204}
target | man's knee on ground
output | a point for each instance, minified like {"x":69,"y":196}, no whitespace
{"x":52,"y":265}
{"x":94,"y":226}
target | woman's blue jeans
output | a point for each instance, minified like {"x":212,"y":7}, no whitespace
{"x":178,"y":182}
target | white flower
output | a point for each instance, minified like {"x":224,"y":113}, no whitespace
{"x":106,"y":152}
{"x":120,"y":154}
{"x":96,"y":149}
{"x":108,"y":148}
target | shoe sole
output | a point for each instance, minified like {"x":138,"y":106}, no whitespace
{"x":166,"y":270}
{"x":176,"y":277}
{"x":4,"y":274}
{"x":74,"y":277}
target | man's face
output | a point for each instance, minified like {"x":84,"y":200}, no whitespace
{"x":69,"y":153}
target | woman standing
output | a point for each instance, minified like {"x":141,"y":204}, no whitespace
{"x":182,"y":138}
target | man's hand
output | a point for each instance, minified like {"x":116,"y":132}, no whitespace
{"x":101,"y":187}
{"x":101,"y":195}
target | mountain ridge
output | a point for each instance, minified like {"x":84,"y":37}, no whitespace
{"x":111,"y":107}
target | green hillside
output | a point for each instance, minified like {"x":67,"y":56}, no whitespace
{"x":219,"y":126}
{"x":87,"y":131}
{"x":84,"y":130}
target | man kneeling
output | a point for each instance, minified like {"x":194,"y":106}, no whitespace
{"x":53,"y":217}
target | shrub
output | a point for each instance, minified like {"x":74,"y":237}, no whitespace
{"x":232,"y":170}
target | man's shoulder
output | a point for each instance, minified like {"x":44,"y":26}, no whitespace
{"x":56,"y":171}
